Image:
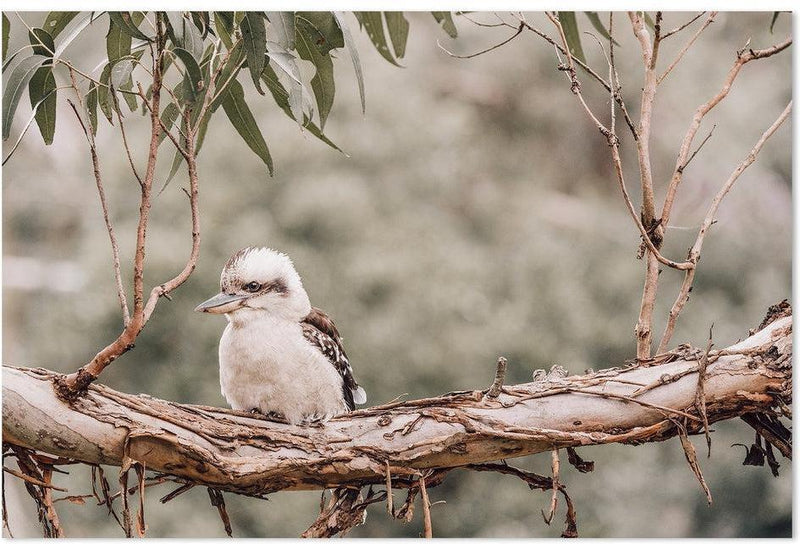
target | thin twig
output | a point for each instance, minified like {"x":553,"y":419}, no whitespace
{"x":741,"y":59}
{"x":681,"y":27}
{"x":696,"y":151}
{"x":554,"y":463}
{"x":123,"y":301}
{"x":700,"y":393}
{"x":389,"y":497}
{"x":426,"y":507}
{"x":32,"y":480}
{"x":479,"y":53}
{"x":710,"y":218}
{"x":687,"y":46}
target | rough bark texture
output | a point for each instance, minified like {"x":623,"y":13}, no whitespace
{"x":249,"y":454}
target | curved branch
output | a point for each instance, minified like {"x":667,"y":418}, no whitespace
{"x":252,"y":455}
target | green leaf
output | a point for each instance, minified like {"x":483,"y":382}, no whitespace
{"x":15,"y":85}
{"x":239,"y":113}
{"x":91,"y":106}
{"x":649,"y":20}
{"x":281,"y":97}
{"x":120,"y":72}
{"x":282,"y":23}
{"x":372,"y":22}
{"x":123,"y":20}
{"x":228,"y":73}
{"x":195,"y":77}
{"x":42,"y":93}
{"x":349,"y":43}
{"x":771,"y":25}
{"x":306,"y":38}
{"x":594,"y":18}
{"x":56,"y":21}
{"x":184,"y":34}
{"x":284,"y":60}
{"x":397,"y":25}
{"x":223,"y":23}
{"x":571,"y":33}
{"x":118,"y":43}
{"x":327,"y":34}
{"x":254,"y":36}
{"x":6,"y":32}
{"x":42,"y":42}
{"x":446,"y":20}
{"x":76,"y":27}
{"x":168,"y":117}
{"x":104,"y":98}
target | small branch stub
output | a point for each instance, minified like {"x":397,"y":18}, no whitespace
{"x":499,"y":378}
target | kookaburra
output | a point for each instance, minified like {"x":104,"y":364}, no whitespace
{"x":278,"y":354}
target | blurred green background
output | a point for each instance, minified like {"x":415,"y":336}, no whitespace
{"x":477,"y":215}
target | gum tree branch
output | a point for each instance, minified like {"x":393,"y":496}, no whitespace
{"x":252,"y":455}
{"x":742,"y":58}
{"x":123,"y":301}
{"x":694,"y":253}
{"x":687,"y":46}
{"x":653,"y":230}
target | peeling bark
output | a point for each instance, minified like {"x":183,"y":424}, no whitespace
{"x":250,"y":454}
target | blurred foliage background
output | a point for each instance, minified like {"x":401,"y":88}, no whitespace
{"x":476,"y":215}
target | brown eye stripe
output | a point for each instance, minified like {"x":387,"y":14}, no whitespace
{"x":277,"y":286}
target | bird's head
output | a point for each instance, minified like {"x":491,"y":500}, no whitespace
{"x":259,"y":279}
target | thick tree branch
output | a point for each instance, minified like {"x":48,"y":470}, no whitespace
{"x":235,"y":451}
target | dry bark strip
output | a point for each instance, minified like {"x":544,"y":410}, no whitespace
{"x":247,"y":454}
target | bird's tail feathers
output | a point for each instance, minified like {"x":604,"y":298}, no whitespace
{"x":359,"y":395}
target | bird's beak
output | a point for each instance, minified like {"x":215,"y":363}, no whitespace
{"x":221,"y":303}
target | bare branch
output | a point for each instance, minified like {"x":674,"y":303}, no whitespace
{"x":694,"y":253}
{"x":687,"y":46}
{"x":681,"y":27}
{"x":741,"y":59}
{"x":479,"y":53}
{"x":123,"y":301}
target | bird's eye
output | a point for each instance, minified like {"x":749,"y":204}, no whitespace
{"x":252,"y":287}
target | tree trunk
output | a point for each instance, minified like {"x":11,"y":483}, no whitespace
{"x":229,"y":450}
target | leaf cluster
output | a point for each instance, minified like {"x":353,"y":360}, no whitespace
{"x":223,"y":51}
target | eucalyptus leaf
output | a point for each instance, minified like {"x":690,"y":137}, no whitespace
{"x":118,"y":43}
{"x":287,"y":63}
{"x":281,"y":97}
{"x":104,"y":98}
{"x":327,"y":33}
{"x":771,"y":24}
{"x":42,"y":92}
{"x":120,"y":72}
{"x":397,"y":26}
{"x":168,"y":117}
{"x":223,"y":22}
{"x":56,"y":21}
{"x":594,"y":18}
{"x":75,"y":28}
{"x":254,"y":36}
{"x":91,"y":106}
{"x":322,"y":83}
{"x":15,"y":85}
{"x":282,"y":24}
{"x":372,"y":23}
{"x":572,"y":34}
{"x":193,"y":73}
{"x":124,"y":21}
{"x":350,"y":45}
{"x":446,"y":20}
{"x":42,"y":42}
{"x":6,"y":32}
{"x":241,"y":117}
